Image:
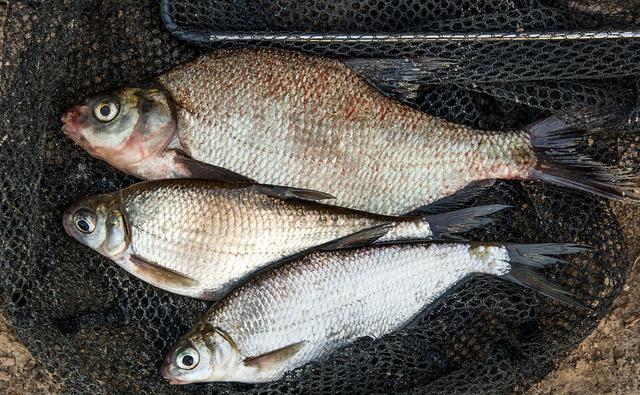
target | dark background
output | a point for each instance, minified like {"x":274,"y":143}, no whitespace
{"x":98,"y":329}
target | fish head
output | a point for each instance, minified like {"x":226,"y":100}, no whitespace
{"x":205,"y":354}
{"x":124,"y":127}
{"x":98,"y":223}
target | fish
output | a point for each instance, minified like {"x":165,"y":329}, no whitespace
{"x":286,"y":118}
{"x":199,"y":237}
{"x":292,"y":314}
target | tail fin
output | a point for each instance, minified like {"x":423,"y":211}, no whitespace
{"x":526,"y":258}
{"x":555,"y":143}
{"x":446,"y":225}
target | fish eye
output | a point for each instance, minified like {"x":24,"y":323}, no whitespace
{"x":85,"y":220}
{"x":187,"y":358}
{"x":106,"y":111}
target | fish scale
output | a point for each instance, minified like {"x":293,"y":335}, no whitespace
{"x":199,"y":238}
{"x":290,"y":119}
{"x":247,"y":235}
{"x":312,"y":123}
{"x":328,"y":299}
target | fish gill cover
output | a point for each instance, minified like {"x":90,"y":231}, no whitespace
{"x":100,"y":330}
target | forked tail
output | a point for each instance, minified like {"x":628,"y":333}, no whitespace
{"x":555,"y":143}
{"x":526,"y":260}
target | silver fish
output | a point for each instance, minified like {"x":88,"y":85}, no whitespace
{"x":290,"y":119}
{"x":301,"y":311}
{"x":197,"y":238}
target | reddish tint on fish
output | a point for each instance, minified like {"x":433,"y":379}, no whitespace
{"x":290,"y":119}
{"x":129,"y":128}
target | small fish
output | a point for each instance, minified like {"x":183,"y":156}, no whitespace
{"x":286,"y":118}
{"x":301,"y":311}
{"x":197,"y":237}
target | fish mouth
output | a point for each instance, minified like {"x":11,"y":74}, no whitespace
{"x":68,"y":125}
{"x":72,"y":123}
{"x":176,"y":382}
{"x":165,"y":370}
{"x":66,"y":220}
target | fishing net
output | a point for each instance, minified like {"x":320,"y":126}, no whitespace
{"x":535,"y":52}
{"x":99,"y":330}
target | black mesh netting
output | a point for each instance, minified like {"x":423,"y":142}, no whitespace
{"x":541,"y":53}
{"x":376,"y":16}
{"x":101,"y":331}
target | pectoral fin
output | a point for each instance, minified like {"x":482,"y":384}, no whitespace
{"x":275,"y":357}
{"x":192,"y":168}
{"x":156,"y":274}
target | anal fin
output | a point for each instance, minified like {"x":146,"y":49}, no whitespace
{"x":448,"y":225}
{"x":275,"y":357}
{"x":358,"y":239}
{"x":455,"y":200}
{"x":283,"y":192}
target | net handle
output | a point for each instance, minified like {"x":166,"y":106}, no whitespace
{"x":340,"y":38}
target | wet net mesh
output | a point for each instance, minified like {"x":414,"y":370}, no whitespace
{"x":101,"y":331}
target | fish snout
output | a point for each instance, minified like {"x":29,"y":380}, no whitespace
{"x":166,"y":371}
{"x":66,"y":221}
{"x":74,"y":120}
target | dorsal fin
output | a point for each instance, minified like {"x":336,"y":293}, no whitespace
{"x":400,"y":78}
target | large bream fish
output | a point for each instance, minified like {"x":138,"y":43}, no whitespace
{"x":285,"y":118}
{"x":197,"y":238}
{"x":301,"y":311}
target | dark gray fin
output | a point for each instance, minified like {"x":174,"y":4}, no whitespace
{"x":196,"y":169}
{"x":536,"y":255}
{"x":292,"y":193}
{"x":555,"y":143}
{"x":400,"y":78}
{"x":201,"y":170}
{"x":446,"y":225}
{"x":275,"y":357}
{"x":358,"y":239}
{"x":525,"y":259}
{"x":161,"y":275}
{"x":455,"y":200}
